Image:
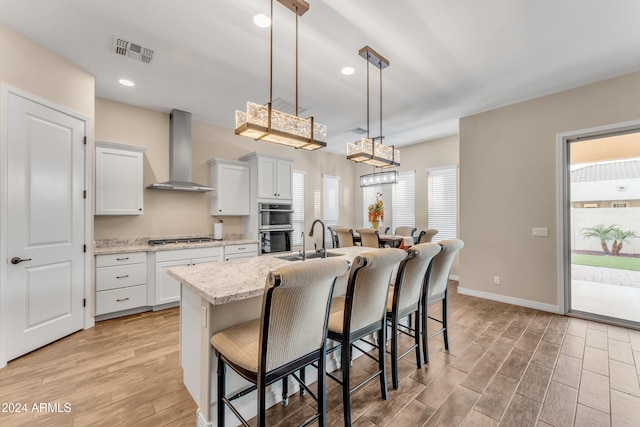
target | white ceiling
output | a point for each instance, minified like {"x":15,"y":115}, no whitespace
{"x":448,"y":59}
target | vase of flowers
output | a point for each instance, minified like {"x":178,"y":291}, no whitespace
{"x":376,"y":212}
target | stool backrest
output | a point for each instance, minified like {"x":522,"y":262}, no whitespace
{"x":295,"y":309}
{"x":412,"y":274}
{"x":366,"y":298}
{"x":439,"y":277}
{"x":426,"y":235}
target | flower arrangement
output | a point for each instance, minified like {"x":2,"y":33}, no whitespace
{"x":376,"y":210}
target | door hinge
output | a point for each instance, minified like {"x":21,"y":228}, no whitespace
{"x":84,"y":248}
{"x":84,"y":302}
{"x":84,"y":194}
{"x":85,"y":140}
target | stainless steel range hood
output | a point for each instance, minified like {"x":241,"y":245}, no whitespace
{"x":180,"y":156}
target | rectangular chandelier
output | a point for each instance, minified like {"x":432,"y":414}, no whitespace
{"x":261,"y":122}
{"x":373,"y":153}
{"x":379,"y":178}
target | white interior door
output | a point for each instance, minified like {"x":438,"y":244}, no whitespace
{"x":44,"y":291}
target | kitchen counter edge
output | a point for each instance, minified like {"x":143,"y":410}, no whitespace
{"x":108,"y":250}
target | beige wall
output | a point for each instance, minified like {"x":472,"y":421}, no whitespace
{"x":28,"y":66}
{"x":169,"y":213}
{"x":508,"y":184}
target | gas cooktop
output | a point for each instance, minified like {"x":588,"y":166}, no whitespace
{"x":157,"y":242}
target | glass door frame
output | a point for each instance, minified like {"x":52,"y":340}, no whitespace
{"x":563,"y":214}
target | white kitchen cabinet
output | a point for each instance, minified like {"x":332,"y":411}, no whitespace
{"x":167,"y":289}
{"x":121,"y":282}
{"x":232,"y":252}
{"x":119,"y":179}
{"x":230,"y":181}
{"x":274,"y":176}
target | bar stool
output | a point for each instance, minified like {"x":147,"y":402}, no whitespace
{"x":362,"y":312}
{"x":404,"y":301}
{"x":290,"y":335}
{"x":344,"y":236}
{"x":436,"y":290}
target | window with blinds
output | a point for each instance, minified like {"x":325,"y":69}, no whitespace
{"x":298,"y":207}
{"x":368,"y":197}
{"x":330,"y":204}
{"x":404,"y":201}
{"x":442,"y":197}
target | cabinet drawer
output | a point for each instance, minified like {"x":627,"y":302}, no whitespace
{"x":121,"y":299}
{"x":120,"y":276}
{"x":120,"y":259}
{"x":189,"y":253}
{"x":241,"y":249}
{"x":231,"y":257}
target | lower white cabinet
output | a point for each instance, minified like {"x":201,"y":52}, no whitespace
{"x":248,"y":250}
{"x":121,"y":282}
{"x":167,"y":289}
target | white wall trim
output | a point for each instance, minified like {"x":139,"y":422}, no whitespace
{"x":510,"y":300}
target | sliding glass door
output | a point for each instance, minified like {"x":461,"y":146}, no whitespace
{"x":603,"y":221}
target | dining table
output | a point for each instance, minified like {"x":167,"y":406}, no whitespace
{"x":391,"y":240}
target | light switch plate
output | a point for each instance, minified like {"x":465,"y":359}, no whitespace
{"x":540,"y":231}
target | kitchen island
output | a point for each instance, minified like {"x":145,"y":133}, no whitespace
{"x":215,"y":297}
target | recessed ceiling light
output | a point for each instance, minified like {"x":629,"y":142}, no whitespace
{"x":347,"y":71}
{"x":262,"y":20}
{"x":125,"y":82}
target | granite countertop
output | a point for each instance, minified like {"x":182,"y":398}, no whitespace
{"x":221,"y":283}
{"x":140,"y":244}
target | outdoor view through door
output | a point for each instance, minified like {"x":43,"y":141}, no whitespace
{"x":604,"y":176}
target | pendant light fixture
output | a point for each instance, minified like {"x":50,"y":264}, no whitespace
{"x":262,"y":122}
{"x":369,"y":150}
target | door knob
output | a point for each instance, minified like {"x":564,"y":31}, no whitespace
{"x":18,"y":260}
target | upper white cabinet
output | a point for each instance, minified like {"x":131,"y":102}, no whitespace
{"x":119,"y":179}
{"x":230,"y":181}
{"x":274,"y":176}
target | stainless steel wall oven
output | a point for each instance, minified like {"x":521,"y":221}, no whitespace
{"x":275,"y":227}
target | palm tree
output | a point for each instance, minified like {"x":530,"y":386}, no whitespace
{"x":620,"y":236}
{"x":600,"y":232}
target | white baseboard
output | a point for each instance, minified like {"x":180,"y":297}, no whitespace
{"x":510,"y":300}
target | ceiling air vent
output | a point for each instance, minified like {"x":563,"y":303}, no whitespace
{"x":288,"y":107}
{"x":358,"y":131}
{"x":132,"y":50}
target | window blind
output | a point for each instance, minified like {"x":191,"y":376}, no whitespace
{"x":330,"y":204}
{"x":442,"y":199}
{"x":368,"y":197}
{"x":298,"y":207}
{"x":404,"y":201}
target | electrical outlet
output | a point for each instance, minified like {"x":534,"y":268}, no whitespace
{"x":496,"y":280}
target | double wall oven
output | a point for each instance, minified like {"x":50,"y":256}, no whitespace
{"x":276,"y":227}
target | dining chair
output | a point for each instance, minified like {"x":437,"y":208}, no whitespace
{"x":404,"y":301}
{"x":361,"y":312}
{"x":405,"y":231}
{"x":436,"y":289}
{"x":369,"y":237}
{"x":290,"y":334}
{"x":344,"y":237}
{"x":427,"y":235}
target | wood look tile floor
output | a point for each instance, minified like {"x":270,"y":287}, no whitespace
{"x":507,"y":366}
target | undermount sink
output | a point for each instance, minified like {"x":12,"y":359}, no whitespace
{"x":311,"y":255}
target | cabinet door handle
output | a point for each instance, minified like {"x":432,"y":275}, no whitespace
{"x":122,"y":299}
{"x":122,"y":277}
{"x":241,"y":249}
{"x":122,"y":259}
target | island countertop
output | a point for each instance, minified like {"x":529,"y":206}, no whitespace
{"x":224,"y":282}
